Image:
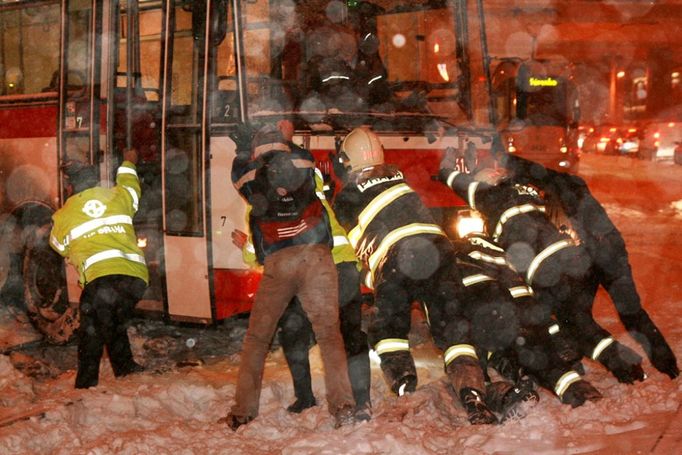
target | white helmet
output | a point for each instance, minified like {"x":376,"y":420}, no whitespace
{"x":362,"y":148}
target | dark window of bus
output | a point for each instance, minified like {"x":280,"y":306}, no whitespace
{"x":145,"y":109}
{"x":183,"y":165}
{"x":542,"y":100}
{"x":225,"y":101}
{"x":27,"y":65}
{"x":77,"y":142}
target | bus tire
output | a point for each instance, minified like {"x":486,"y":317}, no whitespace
{"x":45,"y":294}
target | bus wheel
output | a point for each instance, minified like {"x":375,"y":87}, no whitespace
{"x":47,"y":303}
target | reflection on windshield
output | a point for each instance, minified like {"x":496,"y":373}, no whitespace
{"x":356,"y":57}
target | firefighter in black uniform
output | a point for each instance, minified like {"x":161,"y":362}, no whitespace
{"x":521,"y":330}
{"x":555,"y":265}
{"x":606,"y":249}
{"x":407,"y":258}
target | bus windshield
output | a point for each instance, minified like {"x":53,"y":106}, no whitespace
{"x":356,"y":59}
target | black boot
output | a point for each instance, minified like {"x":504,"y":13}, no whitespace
{"x":512,"y":401}
{"x":129,"y":368}
{"x":360,"y":381}
{"x":87,"y":376}
{"x":360,"y":378}
{"x":624,"y":363}
{"x":303,"y":390}
{"x":474,"y":404}
{"x":399,"y":371}
{"x":235,"y":421}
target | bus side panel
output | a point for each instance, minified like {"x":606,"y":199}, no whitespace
{"x":186,"y":278}
{"x":38,"y":121}
{"x":417,"y":159}
{"x":234,"y":291}
{"x":28,"y":169}
{"x":234,"y":283}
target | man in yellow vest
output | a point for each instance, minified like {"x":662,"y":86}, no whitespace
{"x":94,"y":232}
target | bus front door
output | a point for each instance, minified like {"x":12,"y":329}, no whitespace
{"x":184,"y":151}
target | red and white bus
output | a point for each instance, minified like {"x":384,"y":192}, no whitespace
{"x":85,"y":79}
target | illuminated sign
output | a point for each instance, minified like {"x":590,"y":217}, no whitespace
{"x":544,"y":82}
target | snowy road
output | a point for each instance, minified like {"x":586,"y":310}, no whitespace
{"x":173,"y":408}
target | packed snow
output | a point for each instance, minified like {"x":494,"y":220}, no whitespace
{"x":189,"y":382}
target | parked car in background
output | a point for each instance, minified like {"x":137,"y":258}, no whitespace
{"x":602,"y":139}
{"x":628,"y":141}
{"x":659,"y":140}
{"x":651,"y":140}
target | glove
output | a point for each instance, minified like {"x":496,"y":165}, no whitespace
{"x":243,"y":137}
{"x":337,"y":165}
{"x":239,"y":238}
{"x":579,"y":392}
{"x":449,"y":161}
{"x":130,"y":155}
{"x":664,"y":360}
{"x":624,"y":363}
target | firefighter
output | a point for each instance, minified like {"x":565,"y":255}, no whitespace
{"x":518,"y":327}
{"x":94,"y":232}
{"x":293,"y":236}
{"x":407,"y":258}
{"x":550,"y":260}
{"x":609,"y":257}
{"x":296,"y":332}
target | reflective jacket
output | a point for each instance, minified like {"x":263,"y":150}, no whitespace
{"x":379,"y":210}
{"x":94,"y":229}
{"x":514,"y":214}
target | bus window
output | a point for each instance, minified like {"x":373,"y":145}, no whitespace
{"x":183,"y":186}
{"x":27,"y":65}
{"x":142,"y":111}
{"x":357,"y":58}
{"x":148,"y":63}
{"x":542,"y":100}
{"x":225,"y":103}
{"x":259,"y":35}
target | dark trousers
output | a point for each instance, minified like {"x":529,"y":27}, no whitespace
{"x":423,"y":269}
{"x":106,"y":305}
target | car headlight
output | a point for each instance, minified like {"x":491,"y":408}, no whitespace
{"x":467,"y":222}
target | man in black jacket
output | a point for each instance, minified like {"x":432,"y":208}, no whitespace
{"x":606,"y":249}
{"x":558,"y":267}
{"x":292,"y":239}
{"x":518,"y":335}
{"x":296,"y":332}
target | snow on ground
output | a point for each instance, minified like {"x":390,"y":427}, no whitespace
{"x":189,"y":384}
